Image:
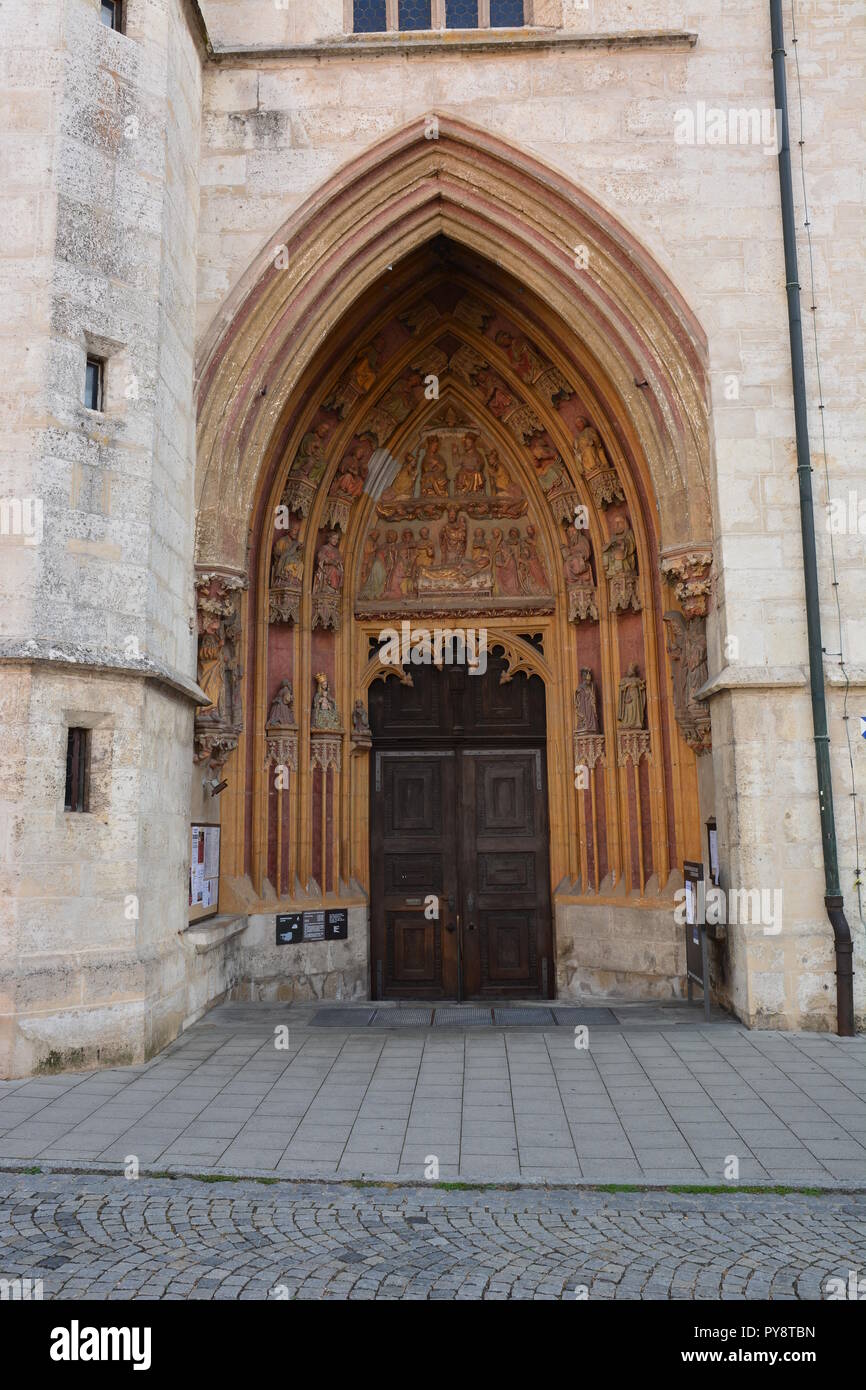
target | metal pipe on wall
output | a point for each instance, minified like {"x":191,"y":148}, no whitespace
{"x":832,"y":890}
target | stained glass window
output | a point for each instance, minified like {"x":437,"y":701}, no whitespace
{"x":461,"y":14}
{"x":506,"y":14}
{"x":415,"y":14}
{"x":370,"y":17}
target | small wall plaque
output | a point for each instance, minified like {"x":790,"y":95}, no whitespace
{"x":319,"y":925}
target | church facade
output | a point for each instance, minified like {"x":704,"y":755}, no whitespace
{"x":402,"y":554}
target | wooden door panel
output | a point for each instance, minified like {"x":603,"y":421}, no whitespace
{"x":504,"y":873}
{"x":508,"y":948}
{"x":413,"y":845}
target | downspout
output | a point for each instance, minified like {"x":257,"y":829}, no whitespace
{"x":832,"y":891}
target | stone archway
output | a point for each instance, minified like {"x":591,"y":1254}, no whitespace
{"x":301,"y":450}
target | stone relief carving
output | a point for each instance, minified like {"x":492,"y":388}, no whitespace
{"x":687,"y":648}
{"x":282,"y":711}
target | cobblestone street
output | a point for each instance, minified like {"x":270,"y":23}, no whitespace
{"x":108,"y":1238}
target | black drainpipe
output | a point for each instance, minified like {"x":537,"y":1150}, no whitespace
{"x":832,"y":894}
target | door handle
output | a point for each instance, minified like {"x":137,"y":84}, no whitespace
{"x":449,"y":926}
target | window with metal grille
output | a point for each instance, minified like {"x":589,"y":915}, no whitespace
{"x":111,"y":14}
{"x":370,"y":17}
{"x":78,"y":770}
{"x":414,"y":14}
{"x":506,"y":14}
{"x":461,"y":14}
{"x":94,"y":377}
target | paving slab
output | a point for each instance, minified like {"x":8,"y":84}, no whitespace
{"x":656,"y":1095}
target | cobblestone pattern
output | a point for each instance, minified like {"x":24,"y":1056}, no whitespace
{"x":642,"y":1105}
{"x":91,"y":1237}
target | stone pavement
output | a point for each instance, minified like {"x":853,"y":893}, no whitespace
{"x":645,"y":1103}
{"x":97,"y":1237}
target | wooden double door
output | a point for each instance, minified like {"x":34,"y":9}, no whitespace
{"x":459,"y":839}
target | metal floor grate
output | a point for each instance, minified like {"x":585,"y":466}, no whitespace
{"x":342,"y":1018}
{"x":571,"y":1017}
{"x":401,"y":1018}
{"x":464,"y":1016}
{"x":507,"y":1017}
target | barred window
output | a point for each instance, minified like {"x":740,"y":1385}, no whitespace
{"x":415,"y":14}
{"x":396,"y":16}
{"x":461,"y":14}
{"x":370,"y":17}
{"x":506,"y":14}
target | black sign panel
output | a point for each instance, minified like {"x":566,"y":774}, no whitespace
{"x":319,"y":925}
{"x":290,"y":928}
{"x":337,"y":924}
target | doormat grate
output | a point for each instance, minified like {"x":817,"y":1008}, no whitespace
{"x":342,"y":1018}
{"x":599,"y":1017}
{"x":401,"y":1018}
{"x":444,"y":1018}
{"x":542,"y":1018}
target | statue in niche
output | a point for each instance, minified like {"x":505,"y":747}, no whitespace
{"x":501,"y":483}
{"x":631,"y":707}
{"x":349,"y":482}
{"x":282,"y":712}
{"x":324,"y":714}
{"x":310,"y":459}
{"x":434,"y":473}
{"x":579,"y":582}
{"x":687,"y":647}
{"x":548,"y":464}
{"x":328,"y":578}
{"x":523,"y":358}
{"x":362,"y":373}
{"x":619,"y":558}
{"x":588,"y":448}
{"x":452,"y":538}
{"x":401,"y":398}
{"x":497,"y":397}
{"x":287,"y":558}
{"x":362,"y":735}
{"x":404,"y":483}
{"x":470,"y":474}
{"x":586,"y":704}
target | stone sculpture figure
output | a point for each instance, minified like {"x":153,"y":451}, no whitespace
{"x":361,"y":733}
{"x":328,"y":578}
{"x":631,"y":707}
{"x":282,"y":712}
{"x":619,"y":558}
{"x":586,"y":704}
{"x":324,"y":715}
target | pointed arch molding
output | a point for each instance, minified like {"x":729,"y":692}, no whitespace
{"x":633,"y":325}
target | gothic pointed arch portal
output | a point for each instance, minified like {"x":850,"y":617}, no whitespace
{"x":455,"y":454}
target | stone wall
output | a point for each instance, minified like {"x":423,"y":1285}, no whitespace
{"x":103,"y":154}
{"x":708,"y":211}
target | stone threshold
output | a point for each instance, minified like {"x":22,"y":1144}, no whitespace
{"x":407,"y":45}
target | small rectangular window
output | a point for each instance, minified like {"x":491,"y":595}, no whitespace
{"x":506,"y":14}
{"x":93,"y":383}
{"x":78,"y":770}
{"x":111,"y":14}
{"x":461,"y":14}
{"x":370,"y":17}
{"x":415,"y":14}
